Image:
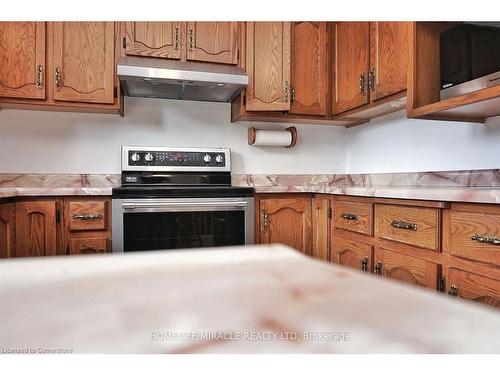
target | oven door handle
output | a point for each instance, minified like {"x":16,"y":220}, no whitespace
{"x":181,"y":205}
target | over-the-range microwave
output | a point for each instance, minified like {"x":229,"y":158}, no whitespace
{"x":469,"y":58}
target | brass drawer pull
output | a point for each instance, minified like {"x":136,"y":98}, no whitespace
{"x":364,"y":264}
{"x":265,"y":219}
{"x":453,"y":290}
{"x":378,"y":268}
{"x":58,"y":79}
{"x":347,"y":216}
{"x":403,"y":225}
{"x":486,"y":239}
{"x":87,"y":217}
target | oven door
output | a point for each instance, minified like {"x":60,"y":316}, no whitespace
{"x":178,"y":223}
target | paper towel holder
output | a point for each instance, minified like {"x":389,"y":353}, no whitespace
{"x":291,"y":129}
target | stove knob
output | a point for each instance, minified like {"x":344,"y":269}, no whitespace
{"x":219,"y":159}
{"x":135,"y":156}
{"x":207,"y":158}
{"x":149,"y":157}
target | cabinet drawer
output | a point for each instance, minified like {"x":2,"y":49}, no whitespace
{"x":418,"y":226}
{"x":475,"y":233}
{"x":87,"y":215}
{"x":474,"y":287}
{"x":352,"y":254}
{"x":88,"y":246}
{"x":406,"y":268}
{"x":353,"y":216}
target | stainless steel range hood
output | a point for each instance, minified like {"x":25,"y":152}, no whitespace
{"x":159,"y":78}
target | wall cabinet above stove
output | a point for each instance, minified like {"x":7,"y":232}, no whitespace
{"x":60,"y":66}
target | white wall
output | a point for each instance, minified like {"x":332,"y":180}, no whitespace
{"x":393,"y":143}
{"x":55,"y":142}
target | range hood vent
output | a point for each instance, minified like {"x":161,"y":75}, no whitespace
{"x":166,"y":79}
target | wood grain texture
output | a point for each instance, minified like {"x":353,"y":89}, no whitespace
{"x":309,"y":68}
{"x":155,"y":39}
{"x":474,"y":287}
{"x":350,"y":60}
{"x":363,"y":212}
{"x":351,"y":253}
{"x":80,"y":246}
{"x":7,"y":230}
{"x":268,"y":66}
{"x":469,"y":219}
{"x":84,"y":52}
{"x":87,"y":207}
{"x":407,"y":269}
{"x":215,"y":42}
{"x":36,"y":228}
{"x":321,"y":227}
{"x":289,"y":223}
{"x":22,"y":50}
{"x":388,"y":57}
{"x":428,"y":221}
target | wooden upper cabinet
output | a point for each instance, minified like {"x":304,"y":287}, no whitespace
{"x":155,"y":39}
{"x":388,"y":58}
{"x":7,"y":232}
{"x":36,"y":228}
{"x":84,"y":61}
{"x":350,"y":65}
{"x":309,"y":68}
{"x":286,"y":221}
{"x":268,"y":66}
{"x":215,"y":42}
{"x":22,"y":57}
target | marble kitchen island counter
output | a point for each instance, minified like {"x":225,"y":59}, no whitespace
{"x":258,"y":299}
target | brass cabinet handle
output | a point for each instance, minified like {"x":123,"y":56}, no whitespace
{"x":191,"y":43}
{"x":58,"y":78}
{"x":348,"y":216}
{"x":286,"y":93}
{"x":486,"y":239}
{"x":265,"y":220}
{"x":292,"y":95}
{"x":93,"y":250}
{"x":364,"y":264}
{"x":404,"y":225}
{"x":39,"y":77}
{"x":453,"y":290}
{"x":362,"y":84}
{"x":371,"y":80}
{"x":87,"y":217}
{"x":177,"y":38}
{"x":378,"y":268}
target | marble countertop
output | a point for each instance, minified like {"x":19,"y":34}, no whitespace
{"x":256,"y":299}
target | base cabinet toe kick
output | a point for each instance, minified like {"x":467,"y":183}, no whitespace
{"x":450,"y":247}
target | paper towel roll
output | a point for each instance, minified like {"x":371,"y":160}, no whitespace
{"x":272,"y":138}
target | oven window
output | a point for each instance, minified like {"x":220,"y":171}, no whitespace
{"x":178,"y":230}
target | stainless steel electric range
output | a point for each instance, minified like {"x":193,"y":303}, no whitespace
{"x":174,"y":198}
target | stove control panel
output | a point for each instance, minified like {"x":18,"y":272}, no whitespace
{"x":168,"y":159}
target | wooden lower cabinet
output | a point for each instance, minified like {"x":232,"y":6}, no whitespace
{"x":406,"y":268}
{"x":321,"y":218}
{"x":7,"y":230}
{"x":80,"y":246}
{"x":353,"y":254}
{"x":287,"y":221}
{"x":36,"y":228}
{"x":472,"y":286}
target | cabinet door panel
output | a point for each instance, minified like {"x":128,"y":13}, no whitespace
{"x":7,"y":234}
{"x":81,"y":246}
{"x":309,"y":68}
{"x":321,"y":227}
{"x":350,"y":62}
{"x":388,"y":57}
{"x":213,"y":42}
{"x":22,"y":60}
{"x":352,"y":253}
{"x":288,"y":222}
{"x":407,"y":268}
{"x":268,"y":66}
{"x":474,"y":287}
{"x":84,"y":61}
{"x":36,"y":228}
{"x":155,"y":39}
